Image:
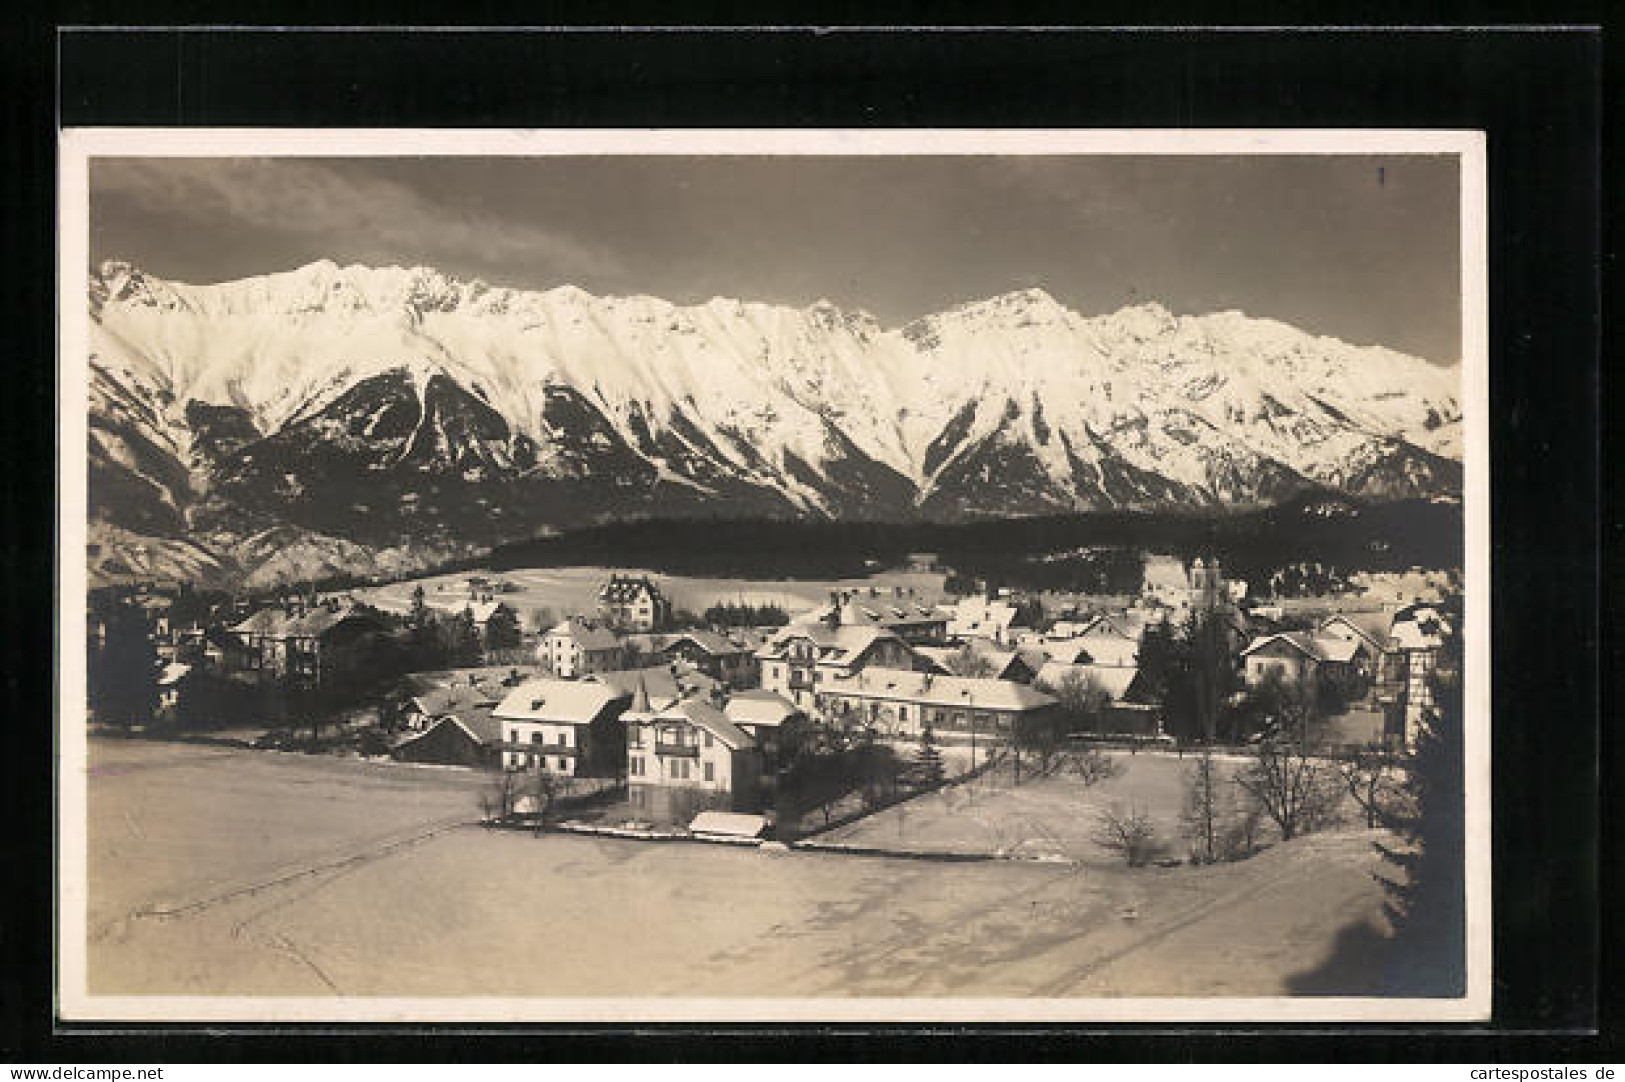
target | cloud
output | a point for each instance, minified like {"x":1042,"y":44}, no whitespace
{"x":347,"y":207}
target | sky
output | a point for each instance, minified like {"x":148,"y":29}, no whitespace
{"x":1362,"y":248}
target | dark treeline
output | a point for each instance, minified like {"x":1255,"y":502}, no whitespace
{"x":1333,"y":531}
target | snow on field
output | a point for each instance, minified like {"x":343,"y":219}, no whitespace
{"x":1044,"y":818}
{"x":281,"y":875}
{"x":564,"y":590}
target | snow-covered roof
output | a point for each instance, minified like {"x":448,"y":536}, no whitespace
{"x":455,"y":697}
{"x":1114,"y":680}
{"x":728,"y":824}
{"x":585,"y":636}
{"x":759,"y":707}
{"x":703,"y":715}
{"x":278,"y":623}
{"x":621,"y":589}
{"x":709,"y":641}
{"x":1371,"y":626}
{"x":661,"y":685}
{"x":565,"y":702}
{"x":936,"y":690}
{"x":834,"y":646}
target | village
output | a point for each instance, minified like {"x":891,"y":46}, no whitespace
{"x":751,"y":724}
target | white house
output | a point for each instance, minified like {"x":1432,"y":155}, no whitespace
{"x":633,"y":603}
{"x":574,"y":648}
{"x":566,"y":727}
{"x":689,"y":744}
{"x":903,"y":702}
{"x":804,"y":656}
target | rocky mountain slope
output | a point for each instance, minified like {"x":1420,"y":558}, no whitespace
{"x":372,"y":409}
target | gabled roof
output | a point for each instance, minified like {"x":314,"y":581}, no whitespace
{"x":483,"y":610}
{"x":620,"y":589}
{"x":759,"y":707}
{"x":660,"y":682}
{"x":277,"y":623}
{"x":1337,"y":649}
{"x":563,"y":702}
{"x":448,"y":700}
{"x":1371,"y":626}
{"x":709,"y":641}
{"x":929,"y":688}
{"x":998,"y":658}
{"x":585,"y":636}
{"x":835,"y":646}
{"x":1297,"y":640}
{"x":703,"y":715}
{"x":1117,"y":681}
{"x":1106,"y":649}
{"x":478,"y":722}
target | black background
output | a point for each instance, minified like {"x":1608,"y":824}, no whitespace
{"x":1537,"y":93}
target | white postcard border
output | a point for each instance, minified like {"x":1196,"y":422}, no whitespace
{"x":76,"y":148}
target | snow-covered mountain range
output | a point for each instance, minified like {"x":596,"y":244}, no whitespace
{"x":402,"y":409}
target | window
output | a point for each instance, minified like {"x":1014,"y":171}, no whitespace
{"x":564,"y":740}
{"x":710,"y":772}
{"x":536,"y":737}
{"x":708,"y":739}
{"x":564,"y":765}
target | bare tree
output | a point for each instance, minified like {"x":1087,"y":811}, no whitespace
{"x":1129,"y":833}
{"x":967,"y":662}
{"x":1080,"y":699}
{"x":1375,"y":781}
{"x":1203,"y":815}
{"x":545,"y":789}
{"x":1091,"y":765}
{"x":1295,"y":789}
{"x":498,"y":797}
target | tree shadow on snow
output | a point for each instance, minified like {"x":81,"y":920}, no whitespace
{"x":1364,"y":961}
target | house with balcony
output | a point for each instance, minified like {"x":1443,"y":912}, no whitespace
{"x":691,"y":745}
{"x":717,"y":656}
{"x":805,"y":655}
{"x":566,"y":727}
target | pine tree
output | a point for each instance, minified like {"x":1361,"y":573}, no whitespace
{"x":1427,"y":905}
{"x":928,"y":768}
{"x":124,"y":677}
{"x":502,"y":629}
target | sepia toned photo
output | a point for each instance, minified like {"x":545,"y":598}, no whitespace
{"x":773,"y":576}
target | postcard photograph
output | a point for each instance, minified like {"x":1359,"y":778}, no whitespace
{"x":772,"y":576}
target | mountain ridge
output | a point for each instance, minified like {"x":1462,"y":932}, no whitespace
{"x":390,"y":406}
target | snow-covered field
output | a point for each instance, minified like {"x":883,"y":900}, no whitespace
{"x":232,"y":872}
{"x":1053,"y":818}
{"x":565,"y":590}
